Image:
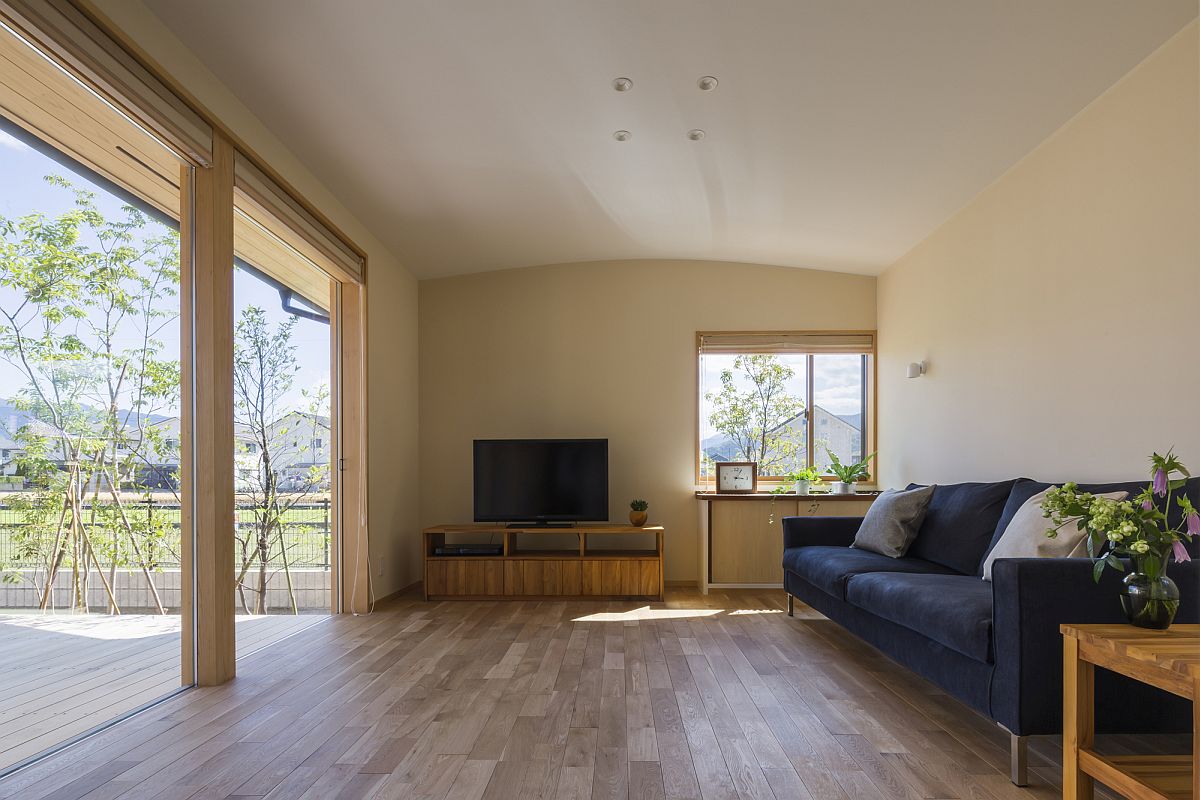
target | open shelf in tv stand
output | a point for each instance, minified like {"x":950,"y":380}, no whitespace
{"x":581,"y":571}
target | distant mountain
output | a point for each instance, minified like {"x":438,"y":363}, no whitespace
{"x":12,"y":419}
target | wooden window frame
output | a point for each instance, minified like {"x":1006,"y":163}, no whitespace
{"x":870,"y":398}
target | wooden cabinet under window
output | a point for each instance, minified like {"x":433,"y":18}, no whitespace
{"x":741,"y":535}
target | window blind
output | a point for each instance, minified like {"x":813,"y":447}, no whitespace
{"x":310,"y":237}
{"x":788,"y":342}
{"x":68,"y":37}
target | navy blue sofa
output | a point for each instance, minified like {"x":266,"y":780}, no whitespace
{"x":993,"y":645}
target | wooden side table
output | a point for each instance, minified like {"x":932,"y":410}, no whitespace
{"x":1169,"y":660}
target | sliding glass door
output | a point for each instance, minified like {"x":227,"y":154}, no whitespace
{"x":285,"y":532}
{"x":93,"y":543}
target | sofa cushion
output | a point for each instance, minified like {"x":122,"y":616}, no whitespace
{"x":1025,"y":535}
{"x":959,"y":524}
{"x":892,"y":522}
{"x":828,"y":568}
{"x":1024,"y":488}
{"x":952,"y":610}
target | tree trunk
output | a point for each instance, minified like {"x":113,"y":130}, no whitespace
{"x":137,"y":551}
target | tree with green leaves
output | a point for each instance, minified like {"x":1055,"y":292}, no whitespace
{"x":264,"y":370}
{"x":84,"y":301}
{"x":759,"y":415}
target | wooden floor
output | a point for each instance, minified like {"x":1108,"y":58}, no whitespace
{"x":64,"y":674}
{"x":721,"y":696}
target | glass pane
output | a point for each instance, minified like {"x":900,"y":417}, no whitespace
{"x":285,"y":539}
{"x":752,"y":409}
{"x":91,"y":548}
{"x":837,"y":408}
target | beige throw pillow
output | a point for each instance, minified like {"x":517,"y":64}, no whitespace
{"x":1025,"y":536}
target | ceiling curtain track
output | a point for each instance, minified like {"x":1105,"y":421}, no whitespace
{"x":304,"y":232}
{"x":780,"y":343}
{"x":71,"y":40}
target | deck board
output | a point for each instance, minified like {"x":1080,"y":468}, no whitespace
{"x":64,"y":674}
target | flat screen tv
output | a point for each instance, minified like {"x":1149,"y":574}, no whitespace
{"x":541,"y":480}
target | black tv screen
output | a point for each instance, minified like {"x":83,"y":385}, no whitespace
{"x":541,"y":480}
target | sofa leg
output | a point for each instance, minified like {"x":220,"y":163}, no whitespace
{"x":791,"y":606}
{"x":1018,"y":749}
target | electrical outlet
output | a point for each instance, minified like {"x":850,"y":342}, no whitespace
{"x":379,"y":569}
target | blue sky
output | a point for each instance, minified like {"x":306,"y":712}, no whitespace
{"x":23,"y":190}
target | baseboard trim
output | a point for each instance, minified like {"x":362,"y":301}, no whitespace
{"x":680,"y":584}
{"x":396,"y":595}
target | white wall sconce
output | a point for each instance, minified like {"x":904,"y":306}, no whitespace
{"x":916,"y":369}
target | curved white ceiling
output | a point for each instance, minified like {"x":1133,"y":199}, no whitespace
{"x":475,"y":135}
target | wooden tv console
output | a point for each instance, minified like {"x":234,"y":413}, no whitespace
{"x":521,"y":571}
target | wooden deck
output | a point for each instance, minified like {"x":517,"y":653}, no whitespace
{"x":717,"y":697}
{"x":63,"y":674}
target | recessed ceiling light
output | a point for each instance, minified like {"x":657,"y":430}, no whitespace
{"x":695,"y":134}
{"x":622,"y":84}
{"x":707,"y":83}
{"x":622,"y":136}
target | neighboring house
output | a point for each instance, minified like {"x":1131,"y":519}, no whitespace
{"x":842,"y":435}
{"x":299,"y":442}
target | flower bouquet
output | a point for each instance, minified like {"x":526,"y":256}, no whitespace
{"x":1139,"y":529}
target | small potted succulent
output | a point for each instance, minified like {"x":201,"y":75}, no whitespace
{"x":847,"y":474}
{"x":637,"y":514}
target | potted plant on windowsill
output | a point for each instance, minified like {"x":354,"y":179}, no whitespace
{"x":803,"y":480}
{"x":847,"y":474}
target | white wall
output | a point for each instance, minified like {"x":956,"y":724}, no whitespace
{"x":1060,"y":310}
{"x":392,"y":304}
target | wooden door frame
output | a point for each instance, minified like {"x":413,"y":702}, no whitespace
{"x":206,"y":463}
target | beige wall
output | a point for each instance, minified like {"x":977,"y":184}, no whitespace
{"x":392,"y":305}
{"x":603,"y":349}
{"x":1060,"y":310}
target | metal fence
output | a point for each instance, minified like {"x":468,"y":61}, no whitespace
{"x":306,"y":534}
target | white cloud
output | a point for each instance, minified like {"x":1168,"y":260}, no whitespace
{"x":9,"y":141}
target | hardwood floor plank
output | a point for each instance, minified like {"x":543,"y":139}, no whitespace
{"x":543,"y":699}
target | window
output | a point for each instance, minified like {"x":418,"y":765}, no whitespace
{"x":784,"y":400}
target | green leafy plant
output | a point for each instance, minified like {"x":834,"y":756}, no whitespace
{"x":1137,"y":527}
{"x":849,"y":473}
{"x":639,"y":505}
{"x":810,"y":474}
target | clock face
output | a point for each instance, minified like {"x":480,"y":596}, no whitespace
{"x":736,"y":478}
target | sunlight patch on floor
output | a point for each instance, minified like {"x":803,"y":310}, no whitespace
{"x":742,"y":611}
{"x":96,"y":626}
{"x":648,"y":613}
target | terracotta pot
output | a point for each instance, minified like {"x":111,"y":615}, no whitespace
{"x":638,"y":518}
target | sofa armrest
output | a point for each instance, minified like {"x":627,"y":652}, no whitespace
{"x":1031,"y":597}
{"x":819,"y":531}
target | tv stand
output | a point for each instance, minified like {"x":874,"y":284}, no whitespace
{"x":559,"y":525}
{"x":598,"y":565}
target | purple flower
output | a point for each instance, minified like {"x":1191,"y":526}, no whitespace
{"x":1147,"y":505}
{"x":1181,"y":553}
{"x":1193,"y":524}
{"x":1160,"y":482}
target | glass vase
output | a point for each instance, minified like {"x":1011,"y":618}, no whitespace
{"x":1149,"y":597}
